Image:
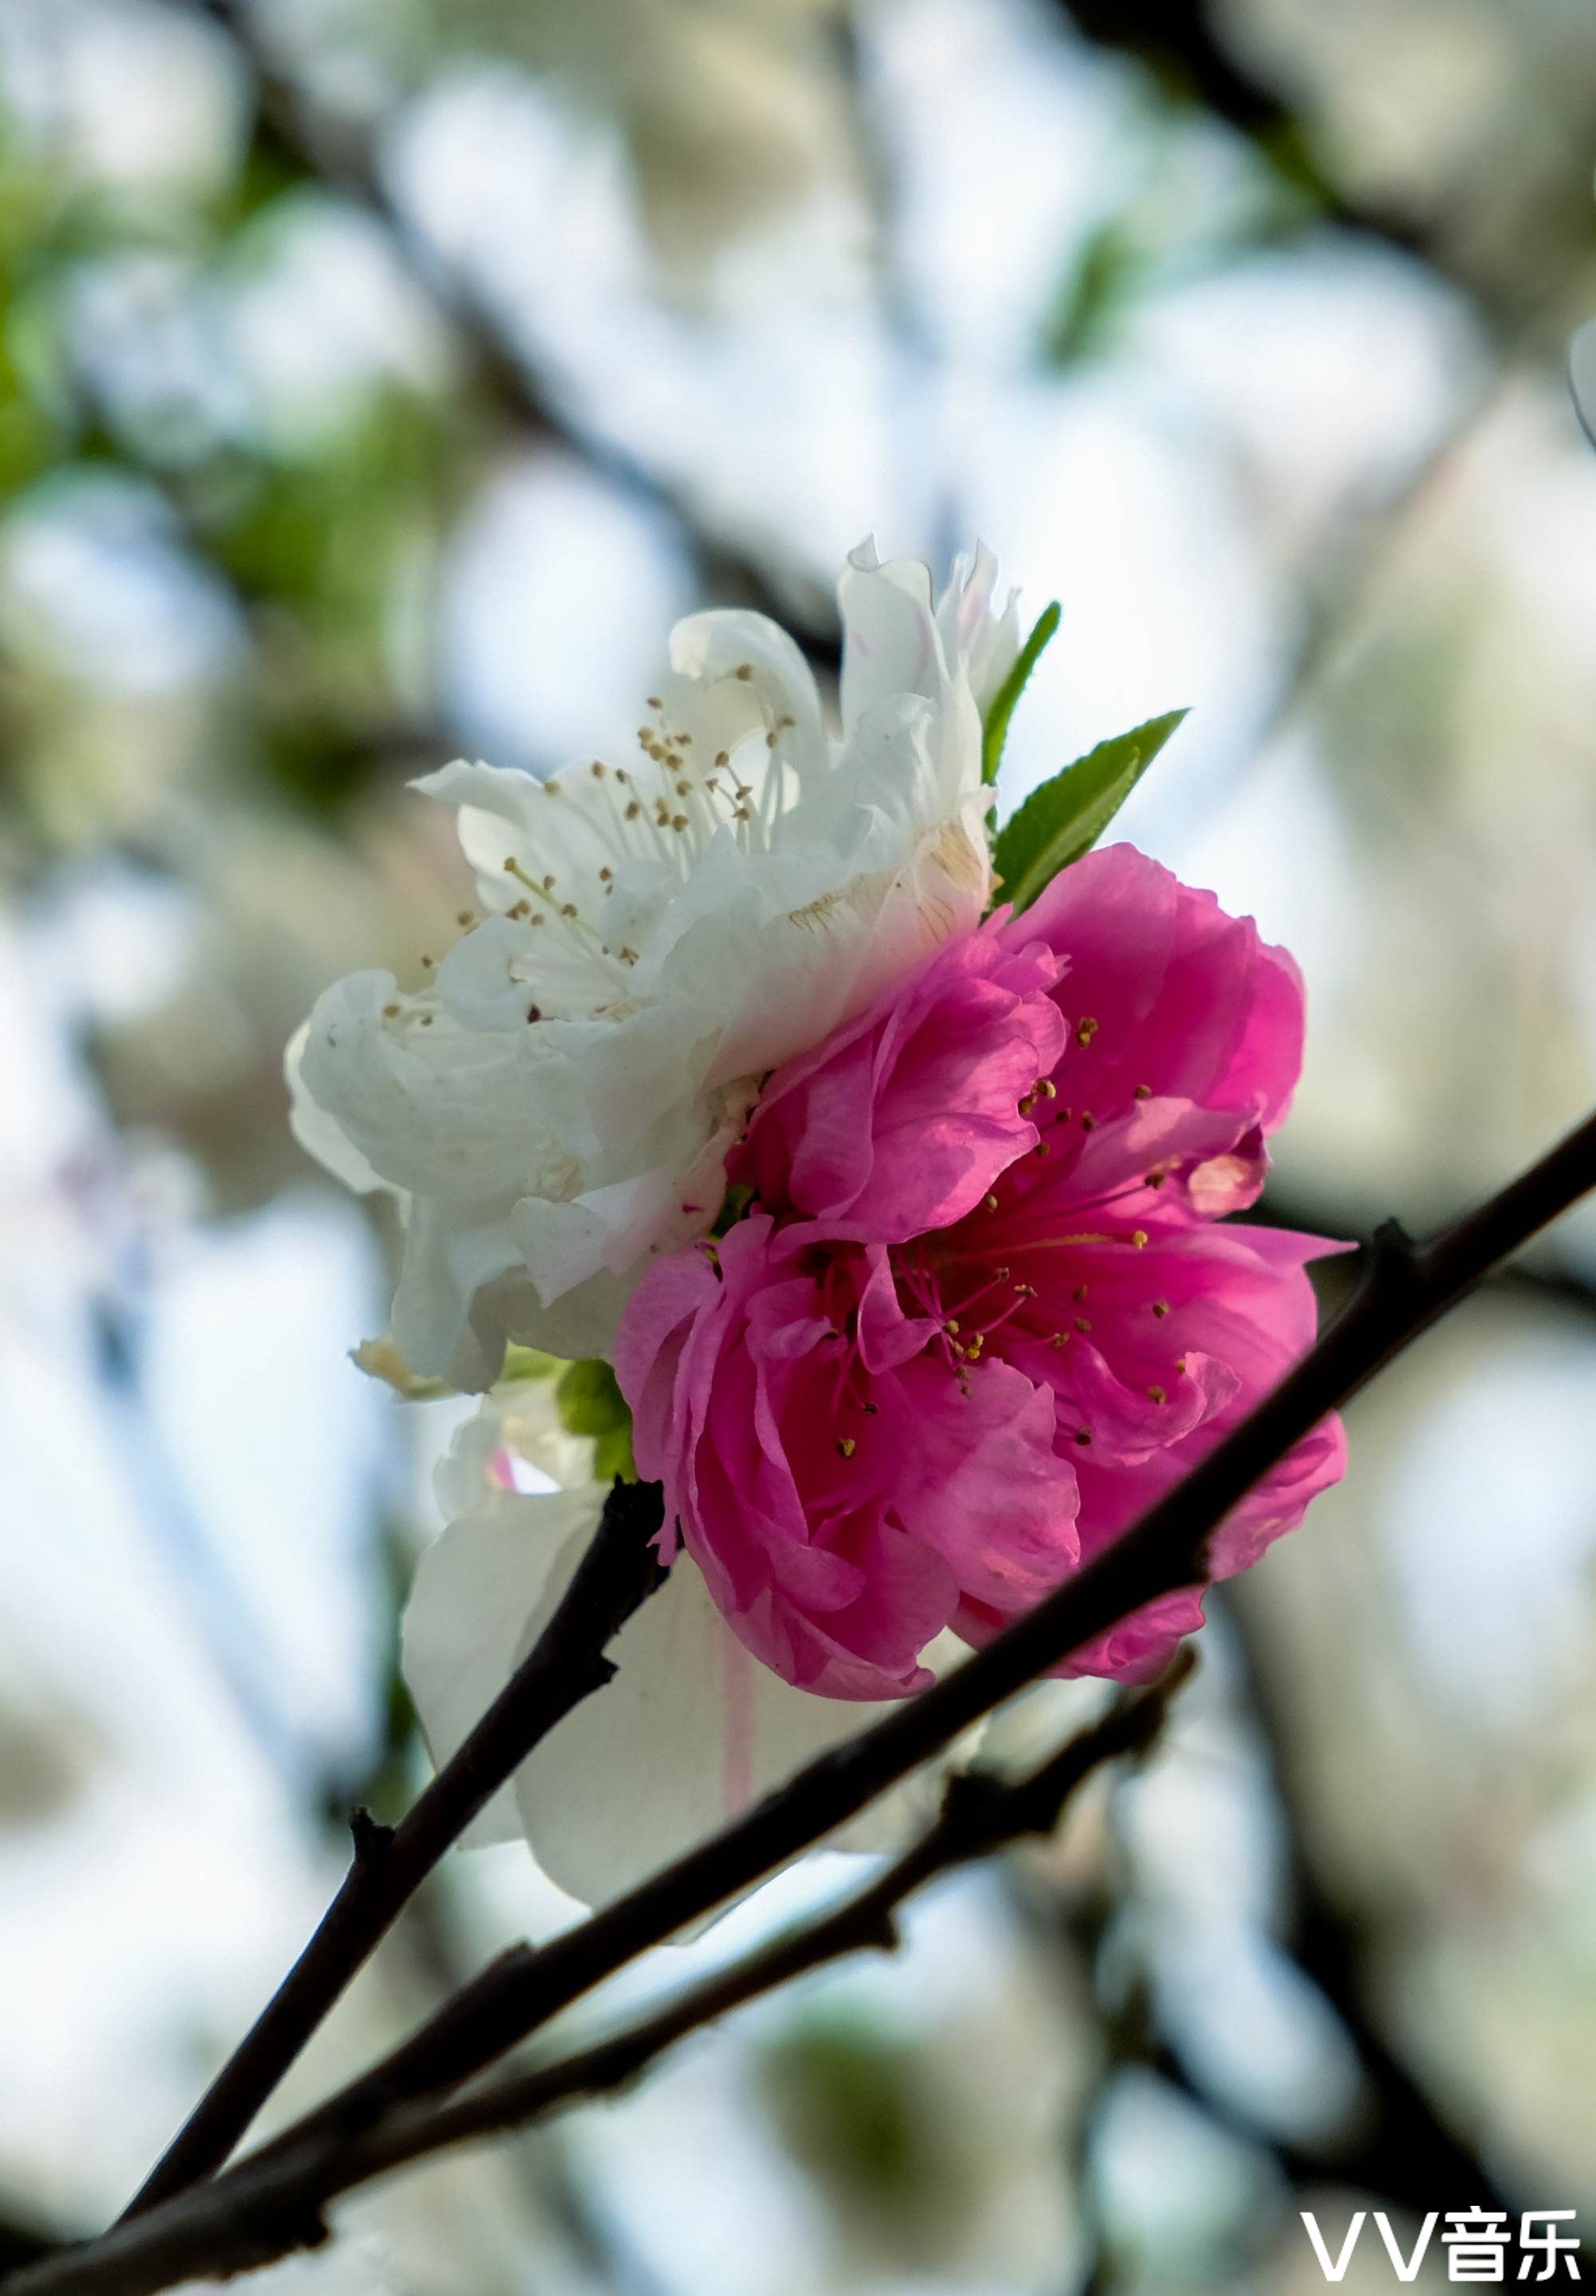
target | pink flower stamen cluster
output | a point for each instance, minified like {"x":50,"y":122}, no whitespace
{"x":980,"y":1314}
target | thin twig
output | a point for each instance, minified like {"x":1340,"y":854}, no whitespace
{"x":1406,"y":1287}
{"x":568,"y":1664}
{"x":272,"y":2203}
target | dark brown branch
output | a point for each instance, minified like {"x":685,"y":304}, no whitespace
{"x":273,"y":2203}
{"x":1406,"y":1289}
{"x":618,"y":1570}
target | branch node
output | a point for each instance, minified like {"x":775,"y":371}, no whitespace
{"x":371,"y":1839}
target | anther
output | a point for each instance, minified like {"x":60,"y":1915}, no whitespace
{"x":678,"y":820}
{"x":771,"y":739}
{"x":1142,"y":1092}
{"x":392,"y":1011}
{"x":465,"y":917}
{"x":1047,"y":1089}
{"x":655,"y":703}
{"x":567,"y":908}
{"x":952,"y":1325}
{"x":1155,"y":1395}
{"x":1160,"y":1308}
{"x":1084,"y":1032}
{"x":1180,"y":1364}
{"x":1088,"y":1123}
{"x":1139,"y":1238}
{"x":989,"y":1203}
{"x":1156,"y":1178}
{"x":845,"y":1446}
{"x":1083,"y":1435}
{"x":723,"y":757}
{"x":534,"y":1011}
{"x":1083,"y":1323}
{"x":744,"y":670}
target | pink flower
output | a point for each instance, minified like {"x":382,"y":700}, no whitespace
{"x":980,"y":1316}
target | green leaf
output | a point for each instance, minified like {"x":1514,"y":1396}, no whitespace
{"x":996,"y":731}
{"x":1067,"y":816}
{"x":589,"y":1402}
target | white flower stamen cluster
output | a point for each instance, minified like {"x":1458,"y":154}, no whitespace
{"x":556,"y":1104}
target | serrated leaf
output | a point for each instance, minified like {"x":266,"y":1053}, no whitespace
{"x":590,"y":1402}
{"x":1067,"y":816}
{"x":995,"y":732}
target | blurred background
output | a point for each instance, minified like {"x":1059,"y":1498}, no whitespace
{"x":378,"y":381}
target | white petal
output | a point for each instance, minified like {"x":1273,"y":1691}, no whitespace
{"x":320,"y":1134}
{"x":690,"y":1732}
{"x":976,"y":638}
{"x":482,"y":1593}
{"x":520,"y":1424}
{"x":890,"y":641}
{"x":707,"y":648}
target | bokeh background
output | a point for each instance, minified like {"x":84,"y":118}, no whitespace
{"x":378,"y":381}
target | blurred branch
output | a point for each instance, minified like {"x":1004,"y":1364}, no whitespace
{"x":567,"y":1664}
{"x":268,"y":2206}
{"x":345,"y":162}
{"x":1179,"y":42}
{"x":1406,"y":1287}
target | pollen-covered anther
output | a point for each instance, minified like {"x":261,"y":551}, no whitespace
{"x":744,"y":670}
{"x":723,"y":757}
{"x":392,"y":1011}
{"x":1043,"y":1148}
{"x":1088,"y":1123}
{"x":1083,"y":1323}
{"x":1160,"y":1308}
{"x":1142,"y":1092}
{"x":1084,"y":1032}
{"x":989,"y":1203}
{"x":1155,"y":1395}
{"x":1139,"y":1238}
{"x":952,"y":1325}
{"x":846,"y":1446}
{"x":567,"y":909}
{"x":1025,"y":1290}
{"x":771,"y":739}
{"x":1047,"y":1089}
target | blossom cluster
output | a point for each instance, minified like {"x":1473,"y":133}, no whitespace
{"x":895,"y":1213}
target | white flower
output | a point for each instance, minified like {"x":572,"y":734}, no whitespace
{"x":557,"y":1104}
{"x":691,"y":1730}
